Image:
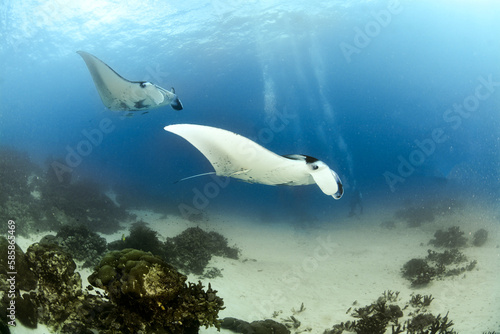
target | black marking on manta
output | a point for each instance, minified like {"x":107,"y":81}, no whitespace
{"x":308,"y":159}
{"x":139,"y":105}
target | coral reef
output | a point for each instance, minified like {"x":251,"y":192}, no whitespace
{"x":19,"y":198}
{"x":43,"y":202}
{"x":81,"y":203}
{"x":58,"y":293}
{"x":452,"y":256}
{"x":4,"y":328}
{"x":212,"y":272}
{"x":16,"y":169}
{"x":415,"y":216}
{"x":141,"y":237}
{"x":256,"y":327}
{"x":24,"y":280}
{"x":374,"y":318}
{"x":145,"y":287}
{"x":144,"y":294}
{"x":452,"y":238}
{"x":191,"y":250}
{"x":428,"y":323}
{"x":420,"y":322}
{"x":83,"y":244}
{"x":59,"y":301}
{"x":420,"y":301}
{"x":435,"y":266}
{"x":426,"y":211}
{"x":480,"y":237}
{"x":385,"y":313}
{"x":418,"y":272}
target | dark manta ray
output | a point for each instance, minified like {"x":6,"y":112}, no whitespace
{"x":118,"y":93}
{"x":235,"y":156}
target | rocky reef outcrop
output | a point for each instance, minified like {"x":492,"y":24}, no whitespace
{"x":145,"y":287}
{"x":143,"y":294}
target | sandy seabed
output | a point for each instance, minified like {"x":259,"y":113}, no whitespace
{"x":329,"y":267}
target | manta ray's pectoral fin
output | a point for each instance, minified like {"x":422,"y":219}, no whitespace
{"x":327,"y":180}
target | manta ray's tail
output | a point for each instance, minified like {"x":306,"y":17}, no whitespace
{"x":193,"y":176}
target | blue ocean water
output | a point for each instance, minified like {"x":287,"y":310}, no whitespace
{"x":400,"y":98}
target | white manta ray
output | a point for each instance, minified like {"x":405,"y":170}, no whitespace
{"x":118,"y":93}
{"x":233,"y":155}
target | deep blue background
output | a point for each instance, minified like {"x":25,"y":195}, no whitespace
{"x":235,"y":64}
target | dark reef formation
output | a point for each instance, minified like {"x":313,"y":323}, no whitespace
{"x":426,"y":211}
{"x":418,"y":272}
{"x":191,"y":250}
{"x":453,"y":238}
{"x":415,"y":216}
{"x":24,"y":280}
{"x":83,"y":244}
{"x":57,"y":299}
{"x":151,"y":296}
{"x":386,"y":313}
{"x":141,"y":237}
{"x":4,"y":327}
{"x":255,"y":327}
{"x":20,"y":195}
{"x":144,"y":294}
{"x":80,"y":203}
{"x":436,"y":266}
{"x":44,"y":202}
{"x":421,"y":271}
{"x":480,"y":237}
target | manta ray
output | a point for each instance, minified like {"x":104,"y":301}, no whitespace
{"x":233,"y":155}
{"x":120,"y":94}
